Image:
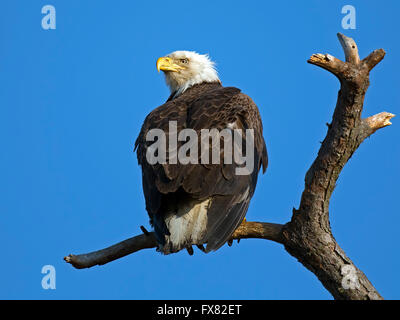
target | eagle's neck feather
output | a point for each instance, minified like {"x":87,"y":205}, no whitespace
{"x":179,"y":83}
{"x":194,"y":88}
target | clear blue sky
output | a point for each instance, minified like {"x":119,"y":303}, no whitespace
{"x":72,"y":101}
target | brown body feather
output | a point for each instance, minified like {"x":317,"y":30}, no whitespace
{"x":172,"y":190}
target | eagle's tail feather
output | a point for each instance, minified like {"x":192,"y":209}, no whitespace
{"x":223,"y":229}
{"x":210,"y":222}
{"x":186,"y":227}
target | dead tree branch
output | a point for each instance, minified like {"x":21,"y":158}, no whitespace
{"x":308,"y":236}
{"x":261,"y":230}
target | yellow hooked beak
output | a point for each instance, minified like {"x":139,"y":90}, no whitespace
{"x":167,"y":64}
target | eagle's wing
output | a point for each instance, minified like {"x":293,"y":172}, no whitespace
{"x":229,"y":193}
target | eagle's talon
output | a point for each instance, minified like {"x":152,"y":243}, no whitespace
{"x":144,"y":230}
{"x":190,"y":250}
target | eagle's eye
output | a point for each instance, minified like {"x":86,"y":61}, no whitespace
{"x":184,"y":61}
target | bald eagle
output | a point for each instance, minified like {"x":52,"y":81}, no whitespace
{"x":196,"y":203}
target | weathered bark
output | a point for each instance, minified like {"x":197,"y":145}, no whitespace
{"x":308,"y":236}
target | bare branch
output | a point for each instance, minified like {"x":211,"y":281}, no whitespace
{"x":260,"y":230}
{"x":374,"y":58}
{"x":328,"y":62}
{"x":246,"y":230}
{"x":371,"y":124}
{"x":112,"y":253}
{"x":379,"y":120}
{"x":350,"y":49}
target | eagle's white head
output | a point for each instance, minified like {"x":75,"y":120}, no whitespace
{"x":184,"y":69}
